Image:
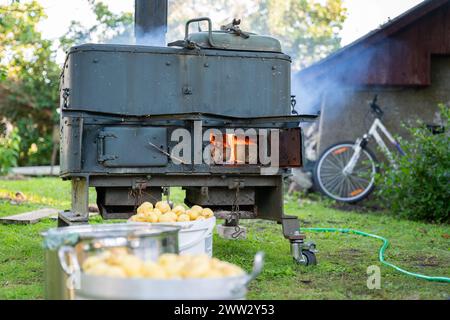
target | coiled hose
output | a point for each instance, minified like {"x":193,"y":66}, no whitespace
{"x":380,"y":253}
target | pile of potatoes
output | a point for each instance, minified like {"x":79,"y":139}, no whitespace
{"x":120,"y":264}
{"x":163,"y":213}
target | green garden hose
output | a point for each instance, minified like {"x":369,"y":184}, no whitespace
{"x":381,"y":252}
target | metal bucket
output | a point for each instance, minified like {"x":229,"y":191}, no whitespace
{"x":64,"y":247}
{"x":109,"y":288}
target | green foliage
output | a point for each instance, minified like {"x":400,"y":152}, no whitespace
{"x":418,"y":189}
{"x":9,"y":151}
{"x":308,"y":29}
{"x":109,"y":27}
{"x":29,"y":87}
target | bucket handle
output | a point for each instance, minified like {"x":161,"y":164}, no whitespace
{"x":258,"y":264}
{"x":68,"y":253}
{"x":195,"y":241}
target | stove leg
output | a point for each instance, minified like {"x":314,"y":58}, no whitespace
{"x":302,"y":253}
{"x":80,"y":204}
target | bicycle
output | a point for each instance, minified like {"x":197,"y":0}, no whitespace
{"x":346,"y":171}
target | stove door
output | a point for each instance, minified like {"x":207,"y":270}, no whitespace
{"x":132,"y":147}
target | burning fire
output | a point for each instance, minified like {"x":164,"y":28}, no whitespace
{"x":234,"y":149}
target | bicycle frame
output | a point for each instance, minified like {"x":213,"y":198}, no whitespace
{"x":361,"y":143}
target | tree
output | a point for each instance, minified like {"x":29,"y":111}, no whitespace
{"x":110,"y":27}
{"x":30,"y":77}
{"x":308,"y":30}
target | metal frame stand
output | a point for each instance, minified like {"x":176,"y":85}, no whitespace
{"x":79,"y":214}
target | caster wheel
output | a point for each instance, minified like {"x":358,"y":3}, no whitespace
{"x":308,"y":258}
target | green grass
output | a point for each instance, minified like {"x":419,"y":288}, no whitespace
{"x":340,"y":274}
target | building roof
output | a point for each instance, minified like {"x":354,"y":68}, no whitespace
{"x":389,"y":31}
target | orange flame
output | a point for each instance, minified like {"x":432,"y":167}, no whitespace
{"x":229,"y":146}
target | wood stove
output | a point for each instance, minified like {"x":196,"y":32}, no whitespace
{"x":125,"y":110}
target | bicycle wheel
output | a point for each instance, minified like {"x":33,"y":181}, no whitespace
{"x":334,"y":183}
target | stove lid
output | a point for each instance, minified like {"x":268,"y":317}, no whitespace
{"x":230,"y":41}
{"x":230,"y":37}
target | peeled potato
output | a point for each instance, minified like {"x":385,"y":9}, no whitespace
{"x":92,"y":262}
{"x":174,"y":269}
{"x":183,"y":218}
{"x":153,"y":218}
{"x":197,"y":208}
{"x":167,"y":258}
{"x":179,"y":210}
{"x":132,"y":265}
{"x":157,"y":212}
{"x":173,"y":215}
{"x":163,"y":206}
{"x":193,"y":214}
{"x":115,"y":272}
{"x":207,"y":213}
{"x":196,"y":269}
{"x":169,"y":217}
{"x":119,"y":263}
{"x":104,"y":269}
{"x":140,"y":217}
{"x":145,"y":208}
{"x":153,"y":271}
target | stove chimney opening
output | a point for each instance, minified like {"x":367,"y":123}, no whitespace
{"x":150,"y":22}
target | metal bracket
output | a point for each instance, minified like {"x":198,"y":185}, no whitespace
{"x":140,"y":184}
{"x":101,"y":156}
{"x":236,"y":183}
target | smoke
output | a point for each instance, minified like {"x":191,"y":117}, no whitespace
{"x":155,"y":38}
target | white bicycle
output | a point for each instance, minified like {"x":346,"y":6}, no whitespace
{"x":346,"y":171}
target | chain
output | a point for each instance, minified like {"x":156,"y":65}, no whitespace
{"x":235,"y":215}
{"x":137,"y":194}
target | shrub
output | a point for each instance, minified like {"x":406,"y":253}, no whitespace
{"x":9,"y":151}
{"x":418,"y":189}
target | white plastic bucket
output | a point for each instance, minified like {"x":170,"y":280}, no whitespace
{"x":195,"y":237}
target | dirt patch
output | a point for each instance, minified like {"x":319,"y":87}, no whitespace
{"x":431,"y":261}
{"x":363,"y":207}
{"x":350,"y":253}
{"x":14,"y":177}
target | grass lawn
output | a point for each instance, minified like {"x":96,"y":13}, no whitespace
{"x":340,"y":274}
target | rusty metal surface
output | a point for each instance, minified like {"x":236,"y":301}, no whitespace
{"x":291,"y":148}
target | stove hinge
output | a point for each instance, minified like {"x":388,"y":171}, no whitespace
{"x":101,"y":156}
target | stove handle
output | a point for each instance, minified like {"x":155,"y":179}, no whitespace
{"x":210,"y":37}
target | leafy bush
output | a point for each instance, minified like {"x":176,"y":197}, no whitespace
{"x":9,"y":151}
{"x":418,"y":189}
